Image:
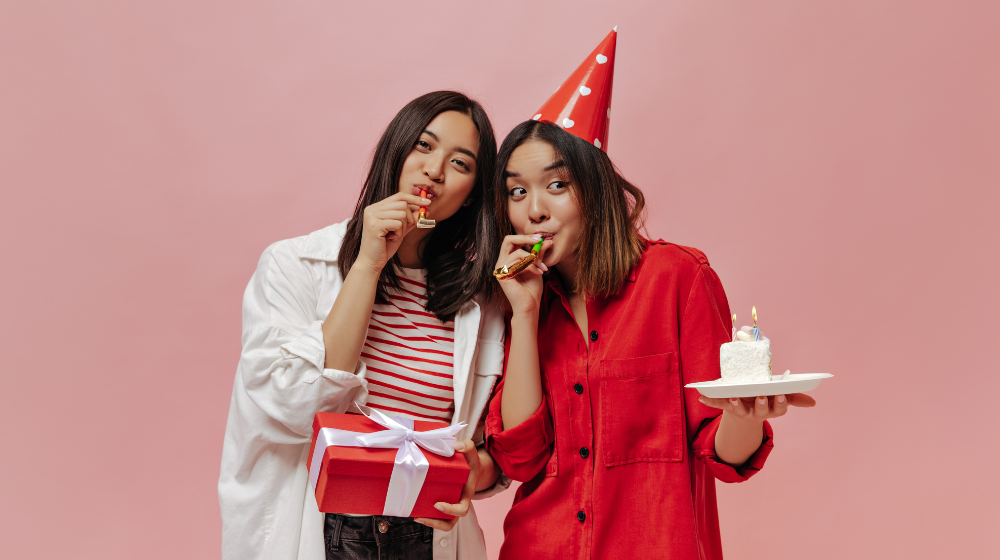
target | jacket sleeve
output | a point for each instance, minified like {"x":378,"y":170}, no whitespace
{"x":283,"y":357}
{"x":704,"y":328}
{"x":523,"y":450}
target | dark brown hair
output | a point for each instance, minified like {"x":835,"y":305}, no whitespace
{"x":610,"y":207}
{"x":460,"y":251}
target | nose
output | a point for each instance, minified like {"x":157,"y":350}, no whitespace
{"x":434,"y":167}
{"x":537,"y":212}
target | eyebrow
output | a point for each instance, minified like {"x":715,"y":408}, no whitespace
{"x":460,"y":150}
{"x":549,"y":167}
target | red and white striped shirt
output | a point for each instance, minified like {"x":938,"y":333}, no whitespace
{"x":409,"y":354}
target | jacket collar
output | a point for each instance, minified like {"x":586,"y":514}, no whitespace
{"x":324,"y":244}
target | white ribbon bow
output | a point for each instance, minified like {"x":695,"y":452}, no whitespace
{"x":410,"y":468}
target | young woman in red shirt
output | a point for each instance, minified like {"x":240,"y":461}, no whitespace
{"x":617,"y":459}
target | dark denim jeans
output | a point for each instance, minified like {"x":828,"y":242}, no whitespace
{"x":376,"y":538}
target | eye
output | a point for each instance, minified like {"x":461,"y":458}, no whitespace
{"x":558,"y":185}
{"x":423,"y":145}
{"x":517,"y":193}
{"x":461,"y":163}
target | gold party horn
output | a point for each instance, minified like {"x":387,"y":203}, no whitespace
{"x":510,"y":271}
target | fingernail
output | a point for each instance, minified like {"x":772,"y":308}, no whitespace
{"x":542,"y":266}
{"x":734,"y":402}
{"x":439,"y":507}
{"x":425,"y":200}
{"x":459,"y":446}
{"x":781,"y":398}
{"x":536,"y":236}
{"x":761,"y":401}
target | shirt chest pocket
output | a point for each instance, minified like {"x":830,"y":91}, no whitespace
{"x":642,"y":414}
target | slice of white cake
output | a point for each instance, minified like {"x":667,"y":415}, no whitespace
{"x":746,"y":362}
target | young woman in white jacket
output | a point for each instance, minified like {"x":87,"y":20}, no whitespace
{"x":378,"y":312}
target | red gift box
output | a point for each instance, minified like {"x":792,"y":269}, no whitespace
{"x":356,"y":479}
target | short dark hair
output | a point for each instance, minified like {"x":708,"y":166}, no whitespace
{"x":456,"y":254}
{"x":611,"y":207}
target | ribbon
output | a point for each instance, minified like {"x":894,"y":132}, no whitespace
{"x":411,"y":465}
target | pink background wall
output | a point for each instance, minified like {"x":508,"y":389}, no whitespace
{"x":837,"y":160}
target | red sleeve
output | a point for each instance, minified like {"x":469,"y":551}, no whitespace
{"x":704,"y":329}
{"x":523,"y":450}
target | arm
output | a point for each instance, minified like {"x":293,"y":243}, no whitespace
{"x":742,"y":432}
{"x":386,"y":223}
{"x":733,"y":448}
{"x":522,"y":394}
{"x":282,"y":362}
{"x":519,"y":429}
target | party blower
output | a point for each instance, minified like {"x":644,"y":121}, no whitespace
{"x":510,"y":271}
{"x":422,"y":221}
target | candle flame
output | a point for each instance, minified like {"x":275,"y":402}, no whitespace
{"x":734,"y":319}
{"x":753,"y":312}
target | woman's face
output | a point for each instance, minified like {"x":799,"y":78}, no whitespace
{"x":539,"y":200}
{"x":443,"y":163}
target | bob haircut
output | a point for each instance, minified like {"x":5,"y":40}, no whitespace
{"x":457,"y":252}
{"x":610,"y":207}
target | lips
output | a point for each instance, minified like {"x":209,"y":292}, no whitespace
{"x":428,"y":188}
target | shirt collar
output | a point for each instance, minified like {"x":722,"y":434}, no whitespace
{"x":324,"y":244}
{"x":553,"y":283}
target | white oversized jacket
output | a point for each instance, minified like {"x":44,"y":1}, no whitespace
{"x":268,"y":511}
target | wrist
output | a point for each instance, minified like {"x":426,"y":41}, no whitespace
{"x":525,"y":314}
{"x":488,"y":471}
{"x":366,"y":267}
{"x":745,"y":422}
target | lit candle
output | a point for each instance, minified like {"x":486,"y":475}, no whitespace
{"x":756,"y":331}
{"x":734,"y":327}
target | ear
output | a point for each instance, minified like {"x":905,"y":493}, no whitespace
{"x":467,"y":202}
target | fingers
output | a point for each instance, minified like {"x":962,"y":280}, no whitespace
{"x":714,"y":403}
{"x":779,"y":406}
{"x":801,"y":399}
{"x":514,"y":242}
{"x":512,"y":258}
{"x":468,"y":448}
{"x":396,"y":220}
{"x":396,"y":203}
{"x":401,"y":215}
{"x":541,"y":255}
{"x":458,"y":510}
{"x":411,"y":199}
{"x":761,"y":408}
{"x":442,"y":524}
{"x":385,"y":228}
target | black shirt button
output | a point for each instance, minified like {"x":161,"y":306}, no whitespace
{"x":581,"y":516}
{"x":578,"y":388}
{"x":584,"y":452}
{"x":593,"y":336}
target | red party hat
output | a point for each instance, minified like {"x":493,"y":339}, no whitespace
{"x":582,"y":105}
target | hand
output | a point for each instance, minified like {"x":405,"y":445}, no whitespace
{"x":760,"y":408}
{"x":524,"y":291}
{"x":461,"y":509}
{"x":386,"y":223}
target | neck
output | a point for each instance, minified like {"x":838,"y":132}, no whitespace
{"x":567,"y":273}
{"x":409,"y":253}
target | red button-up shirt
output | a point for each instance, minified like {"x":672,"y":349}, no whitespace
{"x":619,"y":460}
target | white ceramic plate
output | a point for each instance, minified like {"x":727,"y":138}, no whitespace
{"x":794,"y":383}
